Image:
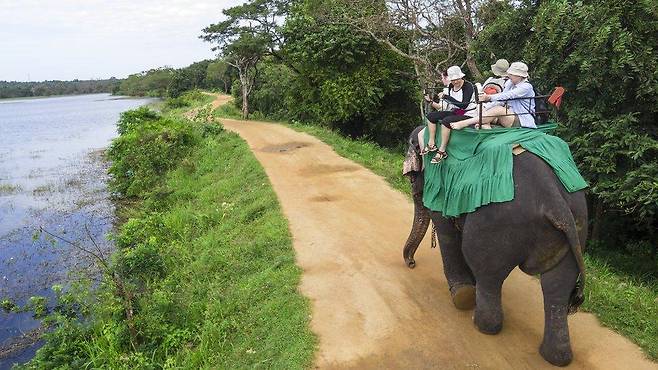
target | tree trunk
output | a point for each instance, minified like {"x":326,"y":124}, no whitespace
{"x":245,"y":87}
{"x":475,"y":71}
{"x":245,"y":102}
{"x":596,"y":223}
{"x":466,"y":8}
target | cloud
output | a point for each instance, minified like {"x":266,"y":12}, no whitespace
{"x":94,"y":38}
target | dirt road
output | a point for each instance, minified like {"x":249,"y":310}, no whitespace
{"x":371,"y":311}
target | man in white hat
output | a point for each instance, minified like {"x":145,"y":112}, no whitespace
{"x":514,"y":106}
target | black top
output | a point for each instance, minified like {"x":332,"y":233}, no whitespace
{"x":467,"y":95}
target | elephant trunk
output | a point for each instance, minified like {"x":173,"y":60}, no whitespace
{"x":421,"y":219}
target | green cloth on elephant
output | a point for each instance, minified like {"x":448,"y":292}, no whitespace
{"x":478,"y":169}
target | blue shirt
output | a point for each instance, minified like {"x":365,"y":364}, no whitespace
{"x":520,"y":107}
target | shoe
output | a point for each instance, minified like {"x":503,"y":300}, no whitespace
{"x":440,"y":155}
{"x":428,"y":148}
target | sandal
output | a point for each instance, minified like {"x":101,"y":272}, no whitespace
{"x":428,"y":148}
{"x":440,"y":155}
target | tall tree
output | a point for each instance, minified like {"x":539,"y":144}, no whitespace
{"x":250,"y":32}
{"x":244,"y":53}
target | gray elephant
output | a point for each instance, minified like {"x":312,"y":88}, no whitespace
{"x":542,"y":230}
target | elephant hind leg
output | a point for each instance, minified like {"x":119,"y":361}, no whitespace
{"x":558,"y":285}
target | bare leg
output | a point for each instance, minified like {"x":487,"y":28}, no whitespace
{"x":431,"y":142}
{"x":473,"y":120}
{"x":445,"y":138}
{"x":503,"y":119}
{"x":496,"y":114}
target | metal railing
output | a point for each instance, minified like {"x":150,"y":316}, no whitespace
{"x":431,"y":92}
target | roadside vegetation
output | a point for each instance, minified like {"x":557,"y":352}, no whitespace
{"x":622,"y":284}
{"x":204,"y":273}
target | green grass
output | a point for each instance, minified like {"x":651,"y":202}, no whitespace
{"x":621,"y":300}
{"x":232,"y":285}
{"x":624,"y":303}
{"x":209,"y":259}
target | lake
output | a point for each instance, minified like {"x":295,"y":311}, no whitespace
{"x":52,"y":176}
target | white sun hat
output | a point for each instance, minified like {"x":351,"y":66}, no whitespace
{"x":518,"y":69}
{"x":455,"y":73}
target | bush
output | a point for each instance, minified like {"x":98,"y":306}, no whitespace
{"x":149,"y":145}
{"x":174,"y":103}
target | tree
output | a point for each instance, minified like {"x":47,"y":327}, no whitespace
{"x":604,"y":54}
{"x":244,"y":54}
{"x":188,"y":78}
{"x":433,"y":34}
{"x":218,"y":73}
{"x":249,"y":33}
{"x":347,"y":80}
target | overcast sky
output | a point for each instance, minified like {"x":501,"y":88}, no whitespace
{"x":88,"y":39}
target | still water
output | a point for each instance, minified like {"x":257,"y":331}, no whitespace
{"x":52,"y":176}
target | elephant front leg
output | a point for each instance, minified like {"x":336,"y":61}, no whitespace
{"x":557,"y":285}
{"x":460,"y":278}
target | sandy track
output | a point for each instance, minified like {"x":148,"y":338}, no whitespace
{"x":371,"y":311}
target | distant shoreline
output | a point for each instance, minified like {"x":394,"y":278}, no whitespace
{"x":112,"y":97}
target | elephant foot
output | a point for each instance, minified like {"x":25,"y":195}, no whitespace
{"x":463,"y":296}
{"x":555,"y":355}
{"x":411,"y":263}
{"x":488,"y":323}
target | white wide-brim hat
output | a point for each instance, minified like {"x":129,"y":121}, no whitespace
{"x":518,"y":69}
{"x":455,"y":73}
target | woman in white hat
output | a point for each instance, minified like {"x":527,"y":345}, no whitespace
{"x":458,"y":103}
{"x":503,"y":111}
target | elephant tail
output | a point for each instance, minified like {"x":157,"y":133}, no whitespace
{"x":567,"y":224}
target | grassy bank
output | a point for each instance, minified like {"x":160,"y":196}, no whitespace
{"x":204,"y":273}
{"x":623,"y":298}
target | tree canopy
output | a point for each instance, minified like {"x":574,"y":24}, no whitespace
{"x":359,"y":66}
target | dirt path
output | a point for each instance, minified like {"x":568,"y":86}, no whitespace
{"x":369,"y":310}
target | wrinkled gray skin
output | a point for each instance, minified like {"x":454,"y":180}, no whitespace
{"x":542,"y":231}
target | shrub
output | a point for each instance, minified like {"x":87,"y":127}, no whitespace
{"x":149,"y":145}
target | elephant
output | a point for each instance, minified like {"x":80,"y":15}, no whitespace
{"x":542,"y":230}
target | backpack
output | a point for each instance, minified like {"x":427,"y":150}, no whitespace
{"x":541,"y":114}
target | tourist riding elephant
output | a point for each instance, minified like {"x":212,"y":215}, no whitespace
{"x":542,"y":230}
